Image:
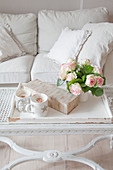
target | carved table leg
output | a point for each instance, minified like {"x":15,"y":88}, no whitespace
{"x":88,"y":162}
{"x":54,"y":155}
{"x":111,"y":142}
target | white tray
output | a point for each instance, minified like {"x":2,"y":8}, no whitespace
{"x":92,"y":111}
{"x":95,"y":110}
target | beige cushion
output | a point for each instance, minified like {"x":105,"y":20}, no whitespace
{"x":24,"y":28}
{"x":108,"y":69}
{"x":9,"y":47}
{"x":51,"y":23}
{"x":99,"y":44}
{"x":44,"y":69}
{"x":16,"y":70}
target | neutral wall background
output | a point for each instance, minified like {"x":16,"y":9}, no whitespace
{"x":24,"y":6}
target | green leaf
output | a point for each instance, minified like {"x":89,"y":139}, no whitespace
{"x":77,"y":66}
{"x":75,"y":81}
{"x":104,"y":80}
{"x":93,"y":91}
{"x":83,"y":85}
{"x":60,"y":82}
{"x":79,"y":74}
{"x":83,"y":78}
{"x":96,"y":74}
{"x":85,"y":89}
{"x":97,"y":91}
{"x":68,"y":86}
{"x":87,"y":69}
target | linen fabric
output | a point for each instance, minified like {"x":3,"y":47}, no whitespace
{"x":16,"y":70}
{"x":51,"y":23}
{"x":9,"y":46}
{"x":24,"y":28}
{"x":108,"y":69}
{"x":44,"y":69}
{"x":99,"y":44}
{"x":68,"y":45}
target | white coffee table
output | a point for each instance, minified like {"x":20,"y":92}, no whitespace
{"x":91,"y":117}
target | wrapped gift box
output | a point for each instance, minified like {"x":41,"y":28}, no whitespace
{"x":59,"y":99}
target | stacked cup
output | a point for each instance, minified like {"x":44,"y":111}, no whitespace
{"x":36,"y":104}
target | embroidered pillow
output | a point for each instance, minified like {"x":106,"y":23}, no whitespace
{"x":9,"y":45}
{"x":68,"y":45}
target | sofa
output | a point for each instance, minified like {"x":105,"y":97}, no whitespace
{"x":37,"y":35}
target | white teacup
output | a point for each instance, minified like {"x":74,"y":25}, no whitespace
{"x":22,"y":98}
{"x":38,"y":105}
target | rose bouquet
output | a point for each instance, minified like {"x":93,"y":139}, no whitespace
{"x":81,"y":77}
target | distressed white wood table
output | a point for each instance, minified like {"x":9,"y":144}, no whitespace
{"x":92,"y":117}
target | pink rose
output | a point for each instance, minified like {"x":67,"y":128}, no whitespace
{"x":71,"y":76}
{"x":85,"y":61}
{"x":71,"y":66}
{"x":96,"y":69}
{"x":65,"y":68}
{"x":62,"y":73}
{"x":99,"y":80}
{"x":75,"y":89}
{"x":90,"y":80}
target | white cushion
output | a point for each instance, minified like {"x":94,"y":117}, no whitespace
{"x":68,"y":45}
{"x":24,"y":28}
{"x":108,"y":69}
{"x":51,"y":23}
{"x":9,"y":48}
{"x":44,"y":69}
{"x":16,"y":70}
{"x":99,"y":44}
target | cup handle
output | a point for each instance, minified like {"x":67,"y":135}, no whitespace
{"x":28,"y":108}
{"x":20,"y":105}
